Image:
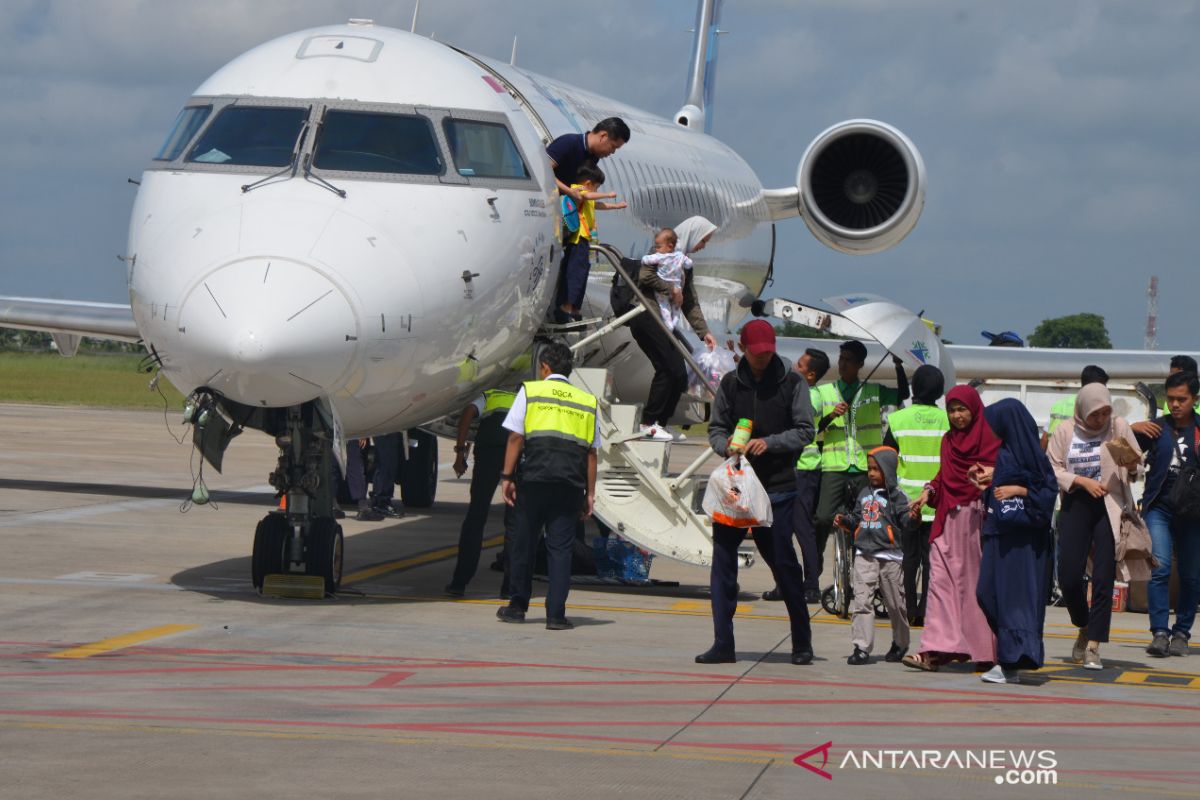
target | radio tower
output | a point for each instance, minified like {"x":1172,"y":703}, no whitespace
{"x":1152,"y":314}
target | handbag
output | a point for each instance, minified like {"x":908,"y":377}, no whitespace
{"x":1135,"y":540}
{"x":1014,"y":512}
{"x":1185,"y":493}
{"x":621,"y":297}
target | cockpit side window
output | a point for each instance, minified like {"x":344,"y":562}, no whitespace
{"x":484,"y":150}
{"x":186,"y":124}
{"x":360,"y":141}
{"x":250,"y":136}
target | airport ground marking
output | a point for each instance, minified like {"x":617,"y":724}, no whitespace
{"x":121,"y":642}
{"x":730,"y":754}
{"x":413,"y":561}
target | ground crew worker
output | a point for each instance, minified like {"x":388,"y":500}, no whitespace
{"x":813,"y":365}
{"x":1063,"y":409}
{"x":491,"y":440}
{"x":916,"y":432}
{"x":555,"y":425}
{"x":850,"y":422}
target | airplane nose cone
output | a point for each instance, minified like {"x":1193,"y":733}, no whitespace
{"x":268,"y":332}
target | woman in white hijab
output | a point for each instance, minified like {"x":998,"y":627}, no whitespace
{"x":670,"y":373}
{"x":1095,"y":495}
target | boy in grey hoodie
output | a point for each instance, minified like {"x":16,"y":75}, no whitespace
{"x":880,"y":517}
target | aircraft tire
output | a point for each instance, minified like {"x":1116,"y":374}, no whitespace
{"x":419,"y":472}
{"x":324,"y":558}
{"x":270,"y":537}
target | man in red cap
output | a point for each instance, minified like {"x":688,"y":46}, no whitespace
{"x":776,"y":400}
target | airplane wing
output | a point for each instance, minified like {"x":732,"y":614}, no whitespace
{"x":68,"y":320}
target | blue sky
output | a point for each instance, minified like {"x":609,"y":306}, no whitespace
{"x":1058,"y":137}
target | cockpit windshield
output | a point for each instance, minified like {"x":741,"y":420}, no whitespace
{"x":360,"y":141}
{"x":484,"y":150}
{"x":186,"y":124}
{"x":250,"y":136}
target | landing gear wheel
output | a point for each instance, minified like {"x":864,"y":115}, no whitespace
{"x":419,"y":471}
{"x":270,"y":537}
{"x":324,"y":557}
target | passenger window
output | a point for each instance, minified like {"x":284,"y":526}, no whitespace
{"x":484,"y":150}
{"x":358,"y":141}
{"x":250,"y":136}
{"x":186,"y":124}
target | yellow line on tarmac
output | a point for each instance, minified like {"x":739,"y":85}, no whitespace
{"x":408,"y":563}
{"x":119,"y":642}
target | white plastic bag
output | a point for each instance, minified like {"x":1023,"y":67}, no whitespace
{"x":715,"y":364}
{"x":735,"y":497}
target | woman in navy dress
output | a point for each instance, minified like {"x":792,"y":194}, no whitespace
{"x":1016,"y":541}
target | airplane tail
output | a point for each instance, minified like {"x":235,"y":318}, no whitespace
{"x":697,"y":109}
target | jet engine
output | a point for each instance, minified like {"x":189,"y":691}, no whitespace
{"x":860,"y":186}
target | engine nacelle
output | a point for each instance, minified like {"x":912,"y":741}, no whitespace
{"x":861,"y":186}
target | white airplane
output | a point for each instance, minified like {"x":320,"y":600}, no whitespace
{"x":353,"y":230}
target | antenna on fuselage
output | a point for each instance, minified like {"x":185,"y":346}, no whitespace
{"x":416,"y":13}
{"x":702,"y":72}
{"x":513,"y":58}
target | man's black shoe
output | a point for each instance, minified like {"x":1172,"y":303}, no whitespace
{"x":388,"y":510}
{"x":498,"y":564}
{"x":368,"y":514}
{"x":858,"y":658}
{"x":812,"y":596}
{"x":560,"y":624}
{"x":510,"y":614}
{"x":802,"y":658}
{"x":715,"y":656}
{"x":917,"y":622}
{"x":454,"y":591}
{"x":895,"y":653}
{"x":773,"y":594}
{"x":338,"y":513}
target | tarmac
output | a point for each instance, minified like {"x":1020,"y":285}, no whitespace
{"x":137,"y":661}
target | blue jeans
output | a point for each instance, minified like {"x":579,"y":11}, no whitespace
{"x":1184,"y":539}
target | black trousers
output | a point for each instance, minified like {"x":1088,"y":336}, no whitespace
{"x":556,"y":506}
{"x":839,"y":490}
{"x":387,"y":467}
{"x":1083,"y":527}
{"x":670,"y":375}
{"x":916,"y":560}
{"x":485,"y":477}
{"x":775,"y":546}
{"x":808,"y":487}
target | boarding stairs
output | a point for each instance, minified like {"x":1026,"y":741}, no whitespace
{"x":637,"y":497}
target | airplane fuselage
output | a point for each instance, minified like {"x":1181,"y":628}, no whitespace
{"x":357,"y":213}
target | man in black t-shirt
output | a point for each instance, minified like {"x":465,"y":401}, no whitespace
{"x":569,"y":151}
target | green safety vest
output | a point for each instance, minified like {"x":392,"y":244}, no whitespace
{"x":848,"y":437}
{"x":810,"y":456}
{"x":1062,"y":411}
{"x":918,"y":431}
{"x":560,"y":422}
{"x":491,"y":433}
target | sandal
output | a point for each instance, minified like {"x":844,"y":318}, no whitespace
{"x":920,"y":661}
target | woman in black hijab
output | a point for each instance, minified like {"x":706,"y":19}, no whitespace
{"x":1016,"y":541}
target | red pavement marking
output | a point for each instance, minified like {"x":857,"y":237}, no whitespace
{"x":389,"y":680}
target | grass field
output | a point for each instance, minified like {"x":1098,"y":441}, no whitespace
{"x":108,"y":381}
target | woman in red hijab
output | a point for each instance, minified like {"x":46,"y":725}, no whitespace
{"x":955,"y":626}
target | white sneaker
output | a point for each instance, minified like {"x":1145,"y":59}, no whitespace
{"x":999,"y":674}
{"x":676,"y":436}
{"x":655,"y":432}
